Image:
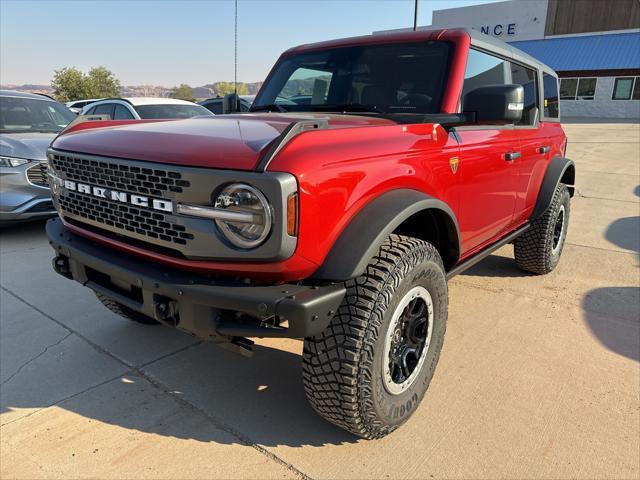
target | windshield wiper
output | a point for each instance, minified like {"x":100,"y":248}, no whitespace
{"x":268,"y":108}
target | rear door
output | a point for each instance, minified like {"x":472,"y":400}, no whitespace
{"x":487,"y":168}
{"x":535,"y":143}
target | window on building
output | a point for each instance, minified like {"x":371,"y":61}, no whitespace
{"x":586,"y":88}
{"x":550,"y":84}
{"x":626,"y":88}
{"x":578,"y":88}
{"x":568,"y":88}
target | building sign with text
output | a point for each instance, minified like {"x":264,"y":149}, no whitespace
{"x":509,"y":21}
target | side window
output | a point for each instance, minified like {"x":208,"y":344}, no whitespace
{"x":550,"y":84}
{"x":527,"y":78}
{"x":104,"y":109}
{"x":214,"y":107}
{"x":91,"y":111}
{"x":484,"y":69}
{"x":122,"y":113}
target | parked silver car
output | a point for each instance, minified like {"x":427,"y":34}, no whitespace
{"x":28,"y":124}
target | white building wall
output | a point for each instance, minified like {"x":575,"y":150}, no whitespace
{"x":601,"y":106}
{"x":509,"y":21}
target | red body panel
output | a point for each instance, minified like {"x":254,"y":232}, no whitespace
{"x":232,"y":142}
{"x":342,"y":168}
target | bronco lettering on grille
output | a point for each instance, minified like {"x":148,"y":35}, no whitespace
{"x":123,"y":197}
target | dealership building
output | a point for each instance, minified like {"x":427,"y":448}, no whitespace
{"x":594,"y":45}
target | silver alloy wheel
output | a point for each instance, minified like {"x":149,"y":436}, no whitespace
{"x":407,"y":340}
{"x":558,"y":230}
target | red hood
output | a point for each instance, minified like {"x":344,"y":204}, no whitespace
{"x":228,"y":142}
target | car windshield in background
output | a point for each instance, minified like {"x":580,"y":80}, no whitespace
{"x":171,"y":111}
{"x":398,"y":78}
{"x":32,"y":115}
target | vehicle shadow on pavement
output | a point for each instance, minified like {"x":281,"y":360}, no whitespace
{"x":496,"y":266}
{"x":202,"y":393}
{"x":625,"y":233}
{"x":620,"y":331}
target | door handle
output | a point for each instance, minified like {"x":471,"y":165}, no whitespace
{"x":545,"y":149}
{"x":511,"y":156}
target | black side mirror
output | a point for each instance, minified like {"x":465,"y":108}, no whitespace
{"x":495,"y":104}
{"x":230,"y":103}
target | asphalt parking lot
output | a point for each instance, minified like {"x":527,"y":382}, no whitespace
{"x":539,"y":376}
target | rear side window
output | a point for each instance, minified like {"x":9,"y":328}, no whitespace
{"x":550,"y":85}
{"x":104,"y":109}
{"x":527,"y":78}
{"x":122,"y":113}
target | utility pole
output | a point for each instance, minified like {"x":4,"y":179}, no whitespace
{"x":415,"y":16}
{"x":235,"y":50}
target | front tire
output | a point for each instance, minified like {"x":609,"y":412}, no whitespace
{"x":370,"y":368}
{"x":538,"y":249}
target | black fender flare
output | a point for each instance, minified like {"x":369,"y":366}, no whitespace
{"x":368,"y":229}
{"x":560,"y":169}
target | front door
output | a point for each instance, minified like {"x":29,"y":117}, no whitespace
{"x":488,"y":174}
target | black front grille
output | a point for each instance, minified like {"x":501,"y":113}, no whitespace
{"x":120,"y":176}
{"x":125,"y":217}
{"x":38,"y":174}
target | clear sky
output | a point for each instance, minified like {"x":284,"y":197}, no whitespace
{"x":167,"y":42}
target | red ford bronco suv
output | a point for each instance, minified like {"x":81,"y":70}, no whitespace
{"x":367,"y":173}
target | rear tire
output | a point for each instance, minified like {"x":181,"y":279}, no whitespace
{"x":124,"y":311}
{"x":538,"y":249}
{"x":370,"y":368}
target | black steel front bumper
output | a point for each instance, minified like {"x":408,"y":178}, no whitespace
{"x":195,"y":303}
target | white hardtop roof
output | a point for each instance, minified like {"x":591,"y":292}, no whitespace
{"x":136,"y":101}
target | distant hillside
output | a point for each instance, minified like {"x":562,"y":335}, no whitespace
{"x":205,"y":91}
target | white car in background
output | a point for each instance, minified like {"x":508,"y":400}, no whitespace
{"x":77,"y":105}
{"x":139,"y":108}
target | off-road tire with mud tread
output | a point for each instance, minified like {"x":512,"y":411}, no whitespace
{"x":343,"y":366}
{"x":125,"y":311}
{"x":533,"y":250}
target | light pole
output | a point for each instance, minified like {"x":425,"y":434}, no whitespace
{"x":415,"y":16}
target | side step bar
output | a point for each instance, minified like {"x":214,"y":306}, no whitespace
{"x":486,"y":252}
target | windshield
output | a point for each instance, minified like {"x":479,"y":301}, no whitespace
{"x":171,"y":111}
{"x":394,"y":78}
{"x":32,"y":115}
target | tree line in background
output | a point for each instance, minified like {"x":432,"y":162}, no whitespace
{"x":71,"y":84}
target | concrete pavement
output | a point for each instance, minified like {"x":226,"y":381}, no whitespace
{"x":539,"y":376}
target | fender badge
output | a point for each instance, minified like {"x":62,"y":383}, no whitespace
{"x":454,"y":162}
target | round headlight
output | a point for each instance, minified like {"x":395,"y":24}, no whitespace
{"x":244,"y":199}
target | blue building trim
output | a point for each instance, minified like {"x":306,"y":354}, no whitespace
{"x":615,"y":51}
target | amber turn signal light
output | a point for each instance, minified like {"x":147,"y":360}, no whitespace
{"x":292,"y":214}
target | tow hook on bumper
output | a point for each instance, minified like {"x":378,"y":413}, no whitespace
{"x":61,"y":266}
{"x":217,"y":310}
